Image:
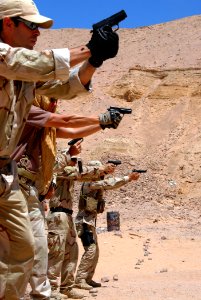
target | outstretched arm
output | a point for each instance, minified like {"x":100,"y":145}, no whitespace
{"x":73,"y":133}
{"x":104,"y":120}
{"x":72,"y":121}
{"x":113,"y":182}
{"x":41,"y":118}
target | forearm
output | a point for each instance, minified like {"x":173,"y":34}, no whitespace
{"x":78,"y":55}
{"x":65,"y":133}
{"x":86,"y":72}
{"x":71,"y":121}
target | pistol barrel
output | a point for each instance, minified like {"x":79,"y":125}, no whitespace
{"x":111,"y":21}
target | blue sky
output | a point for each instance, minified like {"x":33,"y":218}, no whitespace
{"x":84,"y":13}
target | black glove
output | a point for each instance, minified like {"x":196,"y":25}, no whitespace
{"x":110,"y":119}
{"x":95,"y":62}
{"x":104,"y":44}
{"x":116,"y":119}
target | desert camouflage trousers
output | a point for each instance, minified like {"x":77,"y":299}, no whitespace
{"x":89,"y":260}
{"x":63,"y":250}
{"x":16,"y":246}
{"x":39,"y":282}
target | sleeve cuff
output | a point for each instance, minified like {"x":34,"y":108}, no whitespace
{"x":62,"y":63}
{"x":74,"y":81}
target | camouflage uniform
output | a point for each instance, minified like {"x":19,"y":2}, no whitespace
{"x":90,"y":204}
{"x":17,"y":66}
{"x":38,"y":280}
{"x":62,"y":236}
{"x":28,"y":162}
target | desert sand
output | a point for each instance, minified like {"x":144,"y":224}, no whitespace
{"x":157,"y":73}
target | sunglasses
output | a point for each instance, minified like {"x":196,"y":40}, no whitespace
{"x":30,"y":25}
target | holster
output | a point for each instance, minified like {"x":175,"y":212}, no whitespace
{"x":87,"y":236}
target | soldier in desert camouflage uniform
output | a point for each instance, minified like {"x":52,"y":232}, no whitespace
{"x":36,"y":147}
{"x":22,"y":72}
{"x":62,"y":237}
{"x":90,"y":204}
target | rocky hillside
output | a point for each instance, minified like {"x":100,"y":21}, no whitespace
{"x":157,"y":73}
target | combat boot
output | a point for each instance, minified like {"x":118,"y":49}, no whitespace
{"x":55,"y":295}
{"x":82,"y":284}
{"x":93,"y":283}
{"x":72,"y":293}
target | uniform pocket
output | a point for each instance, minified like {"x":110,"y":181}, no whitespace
{"x":55,"y":242}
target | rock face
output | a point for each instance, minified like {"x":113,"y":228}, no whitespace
{"x":166,"y":117}
{"x":157,"y":73}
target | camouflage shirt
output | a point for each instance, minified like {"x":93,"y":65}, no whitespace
{"x":65,"y":176}
{"x":95,"y":190}
{"x":24,"y":71}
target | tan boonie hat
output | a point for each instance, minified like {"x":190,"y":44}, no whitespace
{"x":94,"y":163}
{"x":25,"y":9}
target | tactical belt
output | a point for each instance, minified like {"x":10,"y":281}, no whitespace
{"x":27,"y":174}
{"x":61,"y":209}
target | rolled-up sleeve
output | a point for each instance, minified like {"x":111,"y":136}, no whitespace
{"x":50,"y":69}
{"x":62,"y":62}
{"x":109,"y":183}
{"x":30,"y":65}
{"x":63,"y":89}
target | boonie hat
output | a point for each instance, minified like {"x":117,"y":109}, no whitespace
{"x":25,"y":9}
{"x":94,"y":163}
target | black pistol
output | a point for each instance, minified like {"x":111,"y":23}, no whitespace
{"x":121,"y":110}
{"x":113,"y":20}
{"x":139,"y":171}
{"x":114,"y":162}
{"x":74,"y":141}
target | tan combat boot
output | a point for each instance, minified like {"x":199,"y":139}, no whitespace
{"x":82,"y":284}
{"x":56,"y":295}
{"x":72,"y":293}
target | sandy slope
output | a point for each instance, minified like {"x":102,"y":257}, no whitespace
{"x":157,"y":74}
